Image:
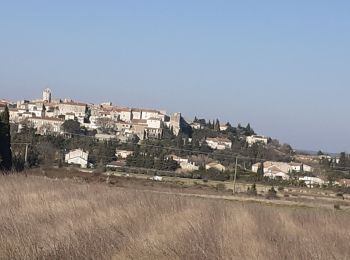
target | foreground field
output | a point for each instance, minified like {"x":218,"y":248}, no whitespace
{"x":58,"y":219}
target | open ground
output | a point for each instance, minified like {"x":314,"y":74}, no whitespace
{"x":43,"y":218}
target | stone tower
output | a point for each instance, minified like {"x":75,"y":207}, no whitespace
{"x":47,"y":95}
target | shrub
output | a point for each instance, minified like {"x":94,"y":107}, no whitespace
{"x":340,"y":195}
{"x":272,"y":193}
{"x":251,"y":191}
{"x":280,"y":188}
{"x":337,"y":206}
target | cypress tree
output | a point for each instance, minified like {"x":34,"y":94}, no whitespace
{"x":217,"y":125}
{"x":5,"y":141}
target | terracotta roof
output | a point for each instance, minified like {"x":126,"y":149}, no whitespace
{"x":72,"y":103}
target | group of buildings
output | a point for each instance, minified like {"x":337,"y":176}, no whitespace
{"x":284,"y":171}
{"x":48,"y":115}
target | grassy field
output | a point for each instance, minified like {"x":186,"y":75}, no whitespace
{"x":42,"y":218}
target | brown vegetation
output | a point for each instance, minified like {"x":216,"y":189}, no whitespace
{"x":42,"y":218}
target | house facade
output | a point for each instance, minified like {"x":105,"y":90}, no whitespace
{"x":219,"y":143}
{"x":78,"y":157}
{"x":254,"y":139}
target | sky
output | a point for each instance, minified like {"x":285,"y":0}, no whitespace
{"x":283,"y":66}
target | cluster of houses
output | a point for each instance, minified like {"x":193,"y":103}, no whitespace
{"x":48,"y":116}
{"x":80,"y":158}
{"x":283,"y":171}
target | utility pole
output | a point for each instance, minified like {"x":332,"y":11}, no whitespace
{"x":234,"y":180}
{"x":26,"y":155}
{"x":26,"y":152}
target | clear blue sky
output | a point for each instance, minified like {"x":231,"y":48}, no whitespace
{"x":283,"y":66}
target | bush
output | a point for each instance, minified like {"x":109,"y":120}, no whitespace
{"x":271,"y":194}
{"x":280,"y":188}
{"x":251,"y":191}
{"x":340,"y":195}
{"x":337,"y":206}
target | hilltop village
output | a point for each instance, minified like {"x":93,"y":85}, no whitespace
{"x":145,"y":139}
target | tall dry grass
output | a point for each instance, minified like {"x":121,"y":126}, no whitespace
{"x":46,"y":219}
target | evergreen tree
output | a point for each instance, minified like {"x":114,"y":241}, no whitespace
{"x":5,"y":141}
{"x":342,"y":159}
{"x":261,"y":169}
{"x":217,"y":125}
{"x":209,"y":124}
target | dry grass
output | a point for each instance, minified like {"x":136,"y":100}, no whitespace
{"x":46,"y":219}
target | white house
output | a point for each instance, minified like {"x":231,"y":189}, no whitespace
{"x":78,"y":157}
{"x":284,"y":167}
{"x":274,"y":172}
{"x":296,"y":167}
{"x":136,"y":113}
{"x":46,"y":125}
{"x":312,"y":181}
{"x":124,"y":114}
{"x":189,"y":166}
{"x":105,"y":137}
{"x":177,"y":158}
{"x":184,"y":163}
{"x":253,"y":139}
{"x":219,"y":143}
{"x":149,"y":113}
{"x":153,"y":122}
{"x":307,"y":168}
{"x":123,"y":153}
{"x":78,"y":109}
{"x":215,"y":165}
{"x":69,"y":116}
{"x":223,"y":127}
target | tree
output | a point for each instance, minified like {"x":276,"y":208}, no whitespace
{"x":5,"y":141}
{"x":105,"y":124}
{"x":71,"y":126}
{"x":249,"y":130}
{"x":217,"y":125}
{"x":342,"y":159}
{"x":320,"y":152}
{"x":260,"y":171}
